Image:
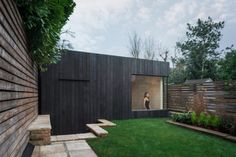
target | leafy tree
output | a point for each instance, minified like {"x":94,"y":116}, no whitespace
{"x":227,"y":65}
{"x":178,"y":74}
{"x":200,"y":48}
{"x":135,"y":45}
{"x":43,"y":21}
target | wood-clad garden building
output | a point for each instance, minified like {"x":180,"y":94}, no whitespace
{"x":84,"y":86}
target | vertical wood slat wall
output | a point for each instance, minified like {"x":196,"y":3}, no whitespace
{"x":18,"y":82}
{"x":84,"y":86}
{"x":218,"y":96}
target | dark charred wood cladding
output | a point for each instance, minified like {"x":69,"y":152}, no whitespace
{"x":18,"y":82}
{"x":83,"y":87}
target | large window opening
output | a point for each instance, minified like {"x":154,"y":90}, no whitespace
{"x":147,"y":92}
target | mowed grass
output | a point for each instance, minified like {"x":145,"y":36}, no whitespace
{"x":155,"y":138}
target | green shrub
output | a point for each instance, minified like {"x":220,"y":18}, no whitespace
{"x":194,"y":118}
{"x":207,"y":121}
{"x":215,"y":121}
{"x":182,"y":117}
{"x":204,"y":120}
{"x":174,"y":116}
{"x":201,"y":119}
{"x":187,"y":118}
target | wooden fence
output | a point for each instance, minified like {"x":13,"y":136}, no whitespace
{"x":219,"y":96}
{"x":18,"y":82}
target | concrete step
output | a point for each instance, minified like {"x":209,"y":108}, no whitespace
{"x":97,"y":130}
{"x":106,"y":123}
{"x":96,"y":127}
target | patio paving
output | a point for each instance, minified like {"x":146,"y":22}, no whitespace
{"x":73,"y":145}
{"x":76,"y":148}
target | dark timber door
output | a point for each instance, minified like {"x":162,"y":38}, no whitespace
{"x":74,"y":99}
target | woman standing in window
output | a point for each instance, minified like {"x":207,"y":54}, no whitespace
{"x":146,"y":101}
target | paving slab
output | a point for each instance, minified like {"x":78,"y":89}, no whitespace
{"x":53,"y":138}
{"x":84,"y":136}
{"x":82,"y":153}
{"x":77,"y":148}
{"x":77,"y":145}
{"x":97,"y":130}
{"x":63,"y":154}
{"x":66,"y":137}
{"x":36,"y":151}
{"x":72,"y":137}
{"x":106,"y":122}
{"x":52,"y":149}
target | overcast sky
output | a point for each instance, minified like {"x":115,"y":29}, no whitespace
{"x":104,"y":26}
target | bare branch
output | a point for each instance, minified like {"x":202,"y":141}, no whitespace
{"x":174,"y":57}
{"x":163,"y":52}
{"x":149,"y":49}
{"x":68,"y":32}
{"x":63,"y":43}
{"x":135,"y":45}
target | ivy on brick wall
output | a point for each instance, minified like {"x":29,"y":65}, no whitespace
{"x":43,"y":21}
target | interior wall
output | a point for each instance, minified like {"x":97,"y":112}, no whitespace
{"x":152,"y":85}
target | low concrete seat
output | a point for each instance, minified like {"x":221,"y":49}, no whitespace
{"x":40,"y":130}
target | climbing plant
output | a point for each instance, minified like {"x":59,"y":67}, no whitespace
{"x":43,"y":21}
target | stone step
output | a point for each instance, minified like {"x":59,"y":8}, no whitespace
{"x":106,"y":123}
{"x":40,"y":130}
{"x":97,"y":130}
{"x":72,"y":137}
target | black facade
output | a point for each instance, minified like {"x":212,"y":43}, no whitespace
{"x":83,"y":87}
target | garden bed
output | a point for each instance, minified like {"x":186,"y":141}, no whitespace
{"x":204,"y":130}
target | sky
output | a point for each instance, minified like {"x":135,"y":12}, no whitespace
{"x":104,"y":26}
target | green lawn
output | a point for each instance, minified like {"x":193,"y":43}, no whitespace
{"x":155,"y":138}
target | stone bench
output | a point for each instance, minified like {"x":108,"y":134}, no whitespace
{"x":40,"y":130}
